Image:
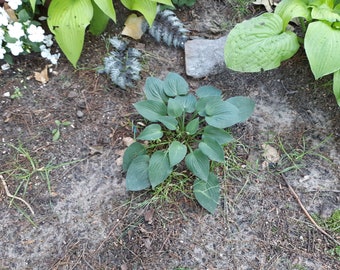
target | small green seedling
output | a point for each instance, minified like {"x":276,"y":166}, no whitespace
{"x":56,"y":131}
{"x":17,"y":93}
{"x":186,"y":133}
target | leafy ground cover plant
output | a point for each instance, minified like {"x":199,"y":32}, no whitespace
{"x":186,"y":133}
{"x":263,"y":42}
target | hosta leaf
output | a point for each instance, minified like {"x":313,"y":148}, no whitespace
{"x":159,"y":168}
{"x":321,"y":45}
{"x":207,"y":192}
{"x":288,"y":10}
{"x":217,"y":134}
{"x":208,"y":91}
{"x":147,"y":7}
{"x":222,"y":115}
{"x":212,"y":149}
{"x":67,"y":20}
{"x":202,"y":104}
{"x":188,"y":102}
{"x":154,"y":89}
{"x":175,"y":85}
{"x":134,"y":150}
{"x":99,"y":20}
{"x":192,"y":127}
{"x":151,"y":110}
{"x":151,"y":132}
{"x":107,"y":7}
{"x":198,"y":164}
{"x":137,"y":177}
{"x":244,"y":105}
{"x":177,"y":152}
{"x":336,"y":86}
{"x":259,"y":44}
{"x":175,"y":108}
{"x":326,"y":13}
{"x":169,"y":121}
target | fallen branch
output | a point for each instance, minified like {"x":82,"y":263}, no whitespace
{"x":292,"y":191}
{"x":13,"y":196}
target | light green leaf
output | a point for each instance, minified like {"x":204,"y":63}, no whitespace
{"x":244,"y":105}
{"x":217,"y":134}
{"x":336,"y":86}
{"x":222,"y":114}
{"x":32,"y":2}
{"x":212,"y":149}
{"x":192,"y":127}
{"x":175,"y":85}
{"x":137,"y":177}
{"x":159,"y":168}
{"x":151,"y":110}
{"x":169,"y":121}
{"x":198,"y":164}
{"x":188,"y":102}
{"x":154,"y":89}
{"x":99,"y":20}
{"x":322,"y":44}
{"x":259,"y":44}
{"x":208,"y":91}
{"x":202,"y":104}
{"x":288,"y":9}
{"x":177,"y":152}
{"x":134,"y":150}
{"x":67,"y":20}
{"x":107,"y":7}
{"x":207,"y":192}
{"x":175,"y":108}
{"x":151,"y":132}
{"x":325,"y":13}
{"x":147,"y":7}
{"x":56,"y":134}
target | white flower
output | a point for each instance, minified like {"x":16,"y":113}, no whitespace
{"x":15,"y":30}
{"x":16,"y":48}
{"x":35,"y":33}
{"x":2,"y":35}
{"x":46,"y":53}
{"x":14,"y":4}
{"x":2,"y":53}
{"x":48,"y":40}
{"x":4,"y":18}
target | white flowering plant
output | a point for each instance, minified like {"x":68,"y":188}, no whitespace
{"x":21,"y":34}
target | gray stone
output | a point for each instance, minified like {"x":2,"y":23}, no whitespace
{"x":204,"y":57}
{"x":80,"y":114}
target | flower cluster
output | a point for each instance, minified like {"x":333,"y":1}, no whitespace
{"x":20,"y":35}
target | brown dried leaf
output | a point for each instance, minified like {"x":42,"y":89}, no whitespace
{"x":270,"y":153}
{"x":42,"y":76}
{"x":10,"y":12}
{"x":148,"y":215}
{"x":134,"y":26}
{"x":268,"y":4}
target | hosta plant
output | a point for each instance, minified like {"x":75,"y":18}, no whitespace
{"x":186,"y":132}
{"x":263,"y":42}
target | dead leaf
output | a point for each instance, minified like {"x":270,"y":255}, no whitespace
{"x":148,"y":215}
{"x":270,"y":153}
{"x":268,"y":4}
{"x":10,"y":12}
{"x":42,"y":76}
{"x":128,"y":141}
{"x":147,"y":243}
{"x":134,"y":26}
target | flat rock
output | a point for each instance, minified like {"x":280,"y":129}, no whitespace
{"x":205,"y":57}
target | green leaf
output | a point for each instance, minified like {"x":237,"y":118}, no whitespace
{"x":99,"y":20}
{"x":177,"y":152}
{"x":208,"y":91}
{"x":137,"y":177}
{"x":336,"y":86}
{"x":159,"y":168}
{"x":134,"y":150}
{"x":217,"y":134}
{"x":169,"y":121}
{"x":154,"y":89}
{"x":151,"y":132}
{"x":288,"y":9}
{"x":33,"y":2}
{"x":175,"y":108}
{"x":212,"y":149}
{"x":221,"y":114}
{"x":67,"y":20}
{"x":192,"y":126}
{"x":198,"y":164}
{"x":322,"y":44}
{"x":207,"y":193}
{"x":107,"y":7}
{"x":244,"y":105}
{"x":175,"y":85}
{"x":259,"y":44}
{"x":147,"y":7}
{"x":325,"y":13}
{"x":188,"y":102}
{"x":56,"y":135}
{"x":202,"y":104}
{"x":151,"y":110}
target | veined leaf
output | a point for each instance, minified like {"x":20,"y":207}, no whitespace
{"x":198,"y":164}
{"x":192,"y":127}
{"x":177,"y":152}
{"x":33,"y":4}
{"x":99,"y":20}
{"x":169,"y":121}
{"x":151,"y":132}
{"x":188,"y":102}
{"x":222,"y":115}
{"x":154,"y":89}
{"x":336,"y":86}
{"x":325,"y":13}
{"x":159,"y":168}
{"x":202,"y":104}
{"x":322,"y":44}
{"x":107,"y":7}
{"x":208,"y":91}
{"x":67,"y":20}
{"x":151,"y":110}
{"x":147,"y":7}
{"x":137,"y":177}
{"x":134,"y":150}
{"x":175,"y":108}
{"x":207,"y":192}
{"x":288,"y":10}
{"x":175,"y":85}
{"x":244,"y":105}
{"x":212,"y":149}
{"x":259,"y":44}
{"x":217,"y":134}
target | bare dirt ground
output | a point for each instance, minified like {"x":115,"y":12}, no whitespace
{"x":88,"y":221}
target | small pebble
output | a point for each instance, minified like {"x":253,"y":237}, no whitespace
{"x":72,"y":95}
{"x":80,"y":114}
{"x":7,"y":94}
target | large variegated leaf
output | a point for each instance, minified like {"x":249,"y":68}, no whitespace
{"x":159,"y":168}
{"x":177,"y":152}
{"x":207,"y":192}
{"x":198,"y":164}
{"x":259,"y":44}
{"x":137,"y":176}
